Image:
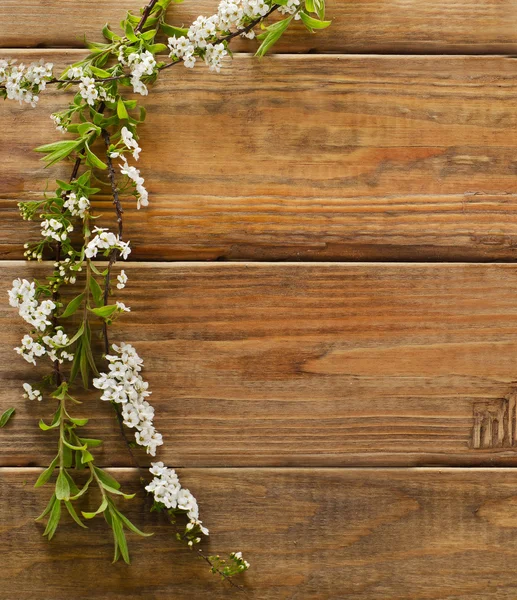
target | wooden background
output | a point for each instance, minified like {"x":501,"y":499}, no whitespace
{"x":337,"y":385}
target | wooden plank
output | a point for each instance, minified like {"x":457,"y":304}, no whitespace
{"x":367,"y":534}
{"x":441,"y":27}
{"x":303,"y":364}
{"x":314,"y":158}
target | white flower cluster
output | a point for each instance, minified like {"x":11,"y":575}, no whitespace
{"x":106,"y":241}
{"x":55,"y":343}
{"x":23,"y":297}
{"x":23,"y":83}
{"x":134,"y":174}
{"x":140,"y":64}
{"x":31,"y":393}
{"x":58,"y":122}
{"x":30,"y":349}
{"x":89,"y":89}
{"x":68,"y":269}
{"x":78,"y":208}
{"x":291,"y":8}
{"x":202,"y":34}
{"x":167,"y":490}
{"x":54,"y":229}
{"x":122,"y":280}
{"x":130,"y":142}
{"x":124,"y":385}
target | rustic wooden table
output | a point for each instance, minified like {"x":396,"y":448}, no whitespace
{"x":341,"y":399}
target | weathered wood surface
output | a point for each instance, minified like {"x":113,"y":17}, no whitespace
{"x":303,"y":364}
{"x":440,"y":27}
{"x":329,"y":534}
{"x":392,"y":158}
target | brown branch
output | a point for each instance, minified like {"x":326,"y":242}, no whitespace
{"x":204,"y":557}
{"x":145,"y":15}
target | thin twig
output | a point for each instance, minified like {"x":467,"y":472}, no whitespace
{"x":241,"y":588}
{"x":145,"y":15}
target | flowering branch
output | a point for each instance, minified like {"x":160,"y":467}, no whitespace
{"x":100,"y":111}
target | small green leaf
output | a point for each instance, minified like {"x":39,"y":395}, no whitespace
{"x":157,"y":48}
{"x":121,"y":109}
{"x":62,"y":487}
{"x":101,"y":509}
{"x":96,"y":291}
{"x":73,"y":305}
{"x":93,"y":160}
{"x":106,"y":478}
{"x":48,"y":508}
{"x":108,"y":34}
{"x":55,"y":515}
{"x":312,"y":23}
{"x":132,"y":527}
{"x":90,"y":442}
{"x":78,"y":422}
{"x":74,"y":515}
{"x":130,"y":32}
{"x":104,"y":311}
{"x":47,"y":473}
{"x":6,"y":416}
{"x":120,"y":538}
{"x":272,"y":34}
{"x":172,"y":31}
{"x":86,"y":457}
{"x":44,"y":427}
{"x":118,"y":492}
{"x":83,"y":490}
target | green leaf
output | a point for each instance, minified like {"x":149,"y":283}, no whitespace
{"x":6,"y":416}
{"x":106,"y":478}
{"x":172,"y":31}
{"x":55,"y":515}
{"x":73,"y":305}
{"x":309,"y":6}
{"x":101,"y":509}
{"x":77,"y":335}
{"x":90,"y":442}
{"x":130,"y":32}
{"x":272,"y":34}
{"x":44,"y":427}
{"x":78,"y":422}
{"x":319,"y":6}
{"x":312,"y":23}
{"x":100,"y":73}
{"x":148,"y":35}
{"x":96,"y":290}
{"x":74,"y":515}
{"x":132,"y":527}
{"x":120,"y":538}
{"x":59,"y":150}
{"x":104,"y":311}
{"x":47,"y":473}
{"x":86,"y":457}
{"x":108,"y":34}
{"x":48,"y":508}
{"x":83,"y":490}
{"x":72,"y":447}
{"x":121,"y":109}
{"x":93,"y":160}
{"x":118,"y":492}
{"x":157,"y":48}
{"x":62,"y":487}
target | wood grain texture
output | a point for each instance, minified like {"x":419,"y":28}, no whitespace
{"x":391,"y":159}
{"x":441,"y":27}
{"x":299,"y":364}
{"x":326,"y":534}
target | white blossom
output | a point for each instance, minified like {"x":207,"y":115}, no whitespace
{"x":124,"y":385}
{"x":122,"y":280}
{"x":140,"y":64}
{"x":88,"y":90}
{"x":23,"y":297}
{"x":78,"y":208}
{"x":23,"y":83}
{"x":31,"y":393}
{"x":130,"y":142}
{"x":106,"y":241}
{"x":54,"y":229}
{"x":134,"y":174}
